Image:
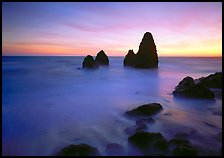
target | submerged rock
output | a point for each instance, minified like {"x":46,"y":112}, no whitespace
{"x":89,"y":62}
{"x":102,"y":58}
{"x":114,"y":149}
{"x":146,"y":56}
{"x":133,"y":129}
{"x":145,"y":110}
{"x":188,"y":88}
{"x":79,"y":150}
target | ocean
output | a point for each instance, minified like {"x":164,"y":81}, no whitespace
{"x":49,"y":103}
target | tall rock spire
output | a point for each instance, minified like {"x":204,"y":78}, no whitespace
{"x":146,"y":56}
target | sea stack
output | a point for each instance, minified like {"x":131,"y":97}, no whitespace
{"x":89,"y":62}
{"x":102,"y":58}
{"x":129,"y":59}
{"x":146,"y":56}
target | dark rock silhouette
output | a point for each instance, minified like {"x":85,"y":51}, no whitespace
{"x":145,"y":140}
{"x":145,"y":110}
{"x":211,"y":81}
{"x":114,"y":149}
{"x":188,"y":88}
{"x":146,"y":56}
{"x":89,"y":62}
{"x":129,"y":59}
{"x":79,"y":150}
{"x":102,"y":58}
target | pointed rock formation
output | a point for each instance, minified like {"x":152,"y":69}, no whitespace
{"x":102,"y":58}
{"x":89,"y":62}
{"x":146,"y":56}
{"x":129,"y":59}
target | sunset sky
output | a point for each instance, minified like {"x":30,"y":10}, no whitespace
{"x":77,"y":28}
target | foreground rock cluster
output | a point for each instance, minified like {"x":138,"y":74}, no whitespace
{"x":198,"y":88}
{"x":146,"y":143}
{"x":90,"y":63}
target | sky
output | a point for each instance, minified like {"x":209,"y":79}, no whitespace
{"x":82,"y":28}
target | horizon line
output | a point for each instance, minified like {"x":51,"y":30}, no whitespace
{"x":108,"y":56}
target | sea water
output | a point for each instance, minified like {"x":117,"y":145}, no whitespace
{"x":51,"y":102}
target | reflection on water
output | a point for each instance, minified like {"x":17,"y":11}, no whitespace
{"x":48,"y":103}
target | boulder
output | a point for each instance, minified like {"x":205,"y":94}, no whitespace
{"x":114,"y":149}
{"x":129,"y":59}
{"x":146,"y":57}
{"x":145,"y":110}
{"x":188,"y":88}
{"x":89,"y":62}
{"x":79,"y":150}
{"x":102,"y":58}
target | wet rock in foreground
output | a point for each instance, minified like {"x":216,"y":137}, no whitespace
{"x":79,"y":150}
{"x":188,"y":88}
{"x":182,"y":147}
{"x":145,"y":110}
{"x":145,"y":140}
{"x":211,"y":81}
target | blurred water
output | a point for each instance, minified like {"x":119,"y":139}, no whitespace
{"x":47,"y":103}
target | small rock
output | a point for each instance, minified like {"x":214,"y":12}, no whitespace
{"x":79,"y":150}
{"x":133,"y":129}
{"x":145,"y":110}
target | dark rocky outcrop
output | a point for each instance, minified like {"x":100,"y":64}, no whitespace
{"x":188,"y":88}
{"x":145,"y":110}
{"x":145,"y":140}
{"x":211,"y":81}
{"x":129,"y":59}
{"x":79,"y":150}
{"x":114,"y":149}
{"x":102,"y":58}
{"x":146,"y":57}
{"x":89,"y":62}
